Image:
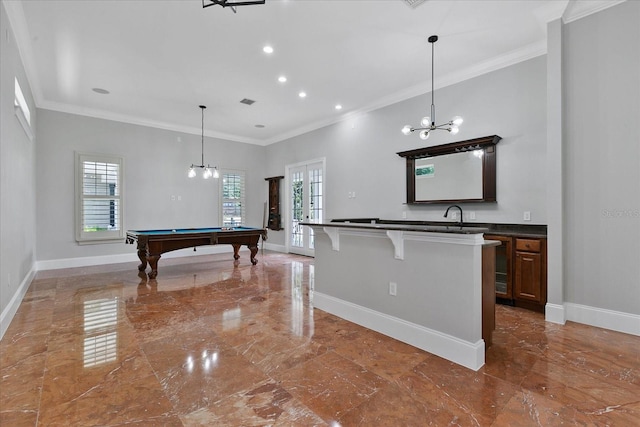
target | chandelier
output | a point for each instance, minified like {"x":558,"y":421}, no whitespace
{"x":230,"y":3}
{"x":206,"y":173}
{"x":428,"y":123}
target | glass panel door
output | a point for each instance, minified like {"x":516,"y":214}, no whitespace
{"x":306,"y":194}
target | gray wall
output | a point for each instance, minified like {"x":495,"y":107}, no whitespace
{"x":602,"y":166}
{"x":155,"y":169}
{"x":361,"y":152}
{"x":17,"y":174}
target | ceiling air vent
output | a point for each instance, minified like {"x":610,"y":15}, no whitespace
{"x":247,"y":101}
{"x":413,"y":3}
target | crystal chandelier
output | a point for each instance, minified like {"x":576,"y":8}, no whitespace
{"x":428,"y":123}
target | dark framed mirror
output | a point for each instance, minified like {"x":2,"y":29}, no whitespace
{"x":463,"y":171}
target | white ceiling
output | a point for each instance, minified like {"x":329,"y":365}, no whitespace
{"x":161,"y":59}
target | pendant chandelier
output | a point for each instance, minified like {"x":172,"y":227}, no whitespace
{"x":206,"y":173}
{"x":428,"y":123}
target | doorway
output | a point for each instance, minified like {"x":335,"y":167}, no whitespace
{"x":305,"y":195}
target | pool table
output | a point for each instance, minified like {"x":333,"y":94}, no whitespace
{"x":153,"y":243}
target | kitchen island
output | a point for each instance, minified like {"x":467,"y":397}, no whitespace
{"x":430,"y":286}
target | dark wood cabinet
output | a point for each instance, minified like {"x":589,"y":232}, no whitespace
{"x":530,"y":272}
{"x":521,"y":271}
{"x":274,"y":221}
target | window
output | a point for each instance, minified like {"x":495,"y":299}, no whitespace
{"x":22,"y":109}
{"x":99,"y":198}
{"x":232,"y":198}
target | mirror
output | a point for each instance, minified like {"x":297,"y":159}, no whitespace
{"x":462,"y":171}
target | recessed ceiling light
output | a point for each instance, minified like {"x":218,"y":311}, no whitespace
{"x":302,"y":94}
{"x":267,"y":49}
{"x":338,"y":107}
{"x":282,"y":79}
{"x":100,"y":91}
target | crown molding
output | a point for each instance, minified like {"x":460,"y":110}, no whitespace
{"x":108,"y":115}
{"x":528,"y":52}
{"x":578,"y":9}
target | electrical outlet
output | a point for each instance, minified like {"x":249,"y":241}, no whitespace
{"x":393,"y":289}
{"x":472,"y":215}
{"x":454,"y":215}
{"x":404,"y":215}
{"x":527,"y":216}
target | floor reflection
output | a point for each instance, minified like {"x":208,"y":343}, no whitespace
{"x":100,"y":335}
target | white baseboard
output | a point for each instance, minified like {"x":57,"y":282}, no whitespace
{"x":274,"y":247}
{"x":10,"y":310}
{"x":56,"y":264}
{"x":467,"y":354}
{"x":555,"y":313}
{"x":602,"y":318}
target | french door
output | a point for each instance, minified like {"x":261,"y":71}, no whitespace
{"x":306,"y":204}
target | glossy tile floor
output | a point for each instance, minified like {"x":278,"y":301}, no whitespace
{"x":211,"y":343}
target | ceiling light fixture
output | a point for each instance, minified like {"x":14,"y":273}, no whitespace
{"x":282,"y":79}
{"x":207,"y":173}
{"x":338,"y":107}
{"x":267,"y":49}
{"x":231,"y":3}
{"x":302,"y":94}
{"x":429,"y":123}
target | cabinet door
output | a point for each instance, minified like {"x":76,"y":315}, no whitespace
{"x":503,"y":266}
{"x":528,"y":277}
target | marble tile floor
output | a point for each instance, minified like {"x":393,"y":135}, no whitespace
{"x":217,"y":343}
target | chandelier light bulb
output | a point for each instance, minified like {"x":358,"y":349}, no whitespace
{"x":207,"y":173}
{"x":192,"y":172}
{"x":425,"y":122}
{"x":457,"y":121}
{"x":406,"y":130}
{"x":454,"y":130}
{"x":424,"y":134}
{"x":215,"y":173}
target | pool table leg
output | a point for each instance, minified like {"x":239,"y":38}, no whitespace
{"x":142,"y":255}
{"x":236,"y":248}
{"x":254,"y":251}
{"x":153,"y":263}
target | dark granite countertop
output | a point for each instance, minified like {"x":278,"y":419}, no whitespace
{"x":513,"y":230}
{"x":431,"y":228}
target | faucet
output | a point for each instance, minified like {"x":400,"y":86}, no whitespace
{"x":455,"y":206}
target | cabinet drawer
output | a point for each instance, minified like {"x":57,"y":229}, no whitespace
{"x":529,"y":245}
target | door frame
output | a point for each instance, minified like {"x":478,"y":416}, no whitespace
{"x":287,"y":204}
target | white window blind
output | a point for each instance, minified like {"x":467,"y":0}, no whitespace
{"x":232,"y":196}
{"x":99,"y":201}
